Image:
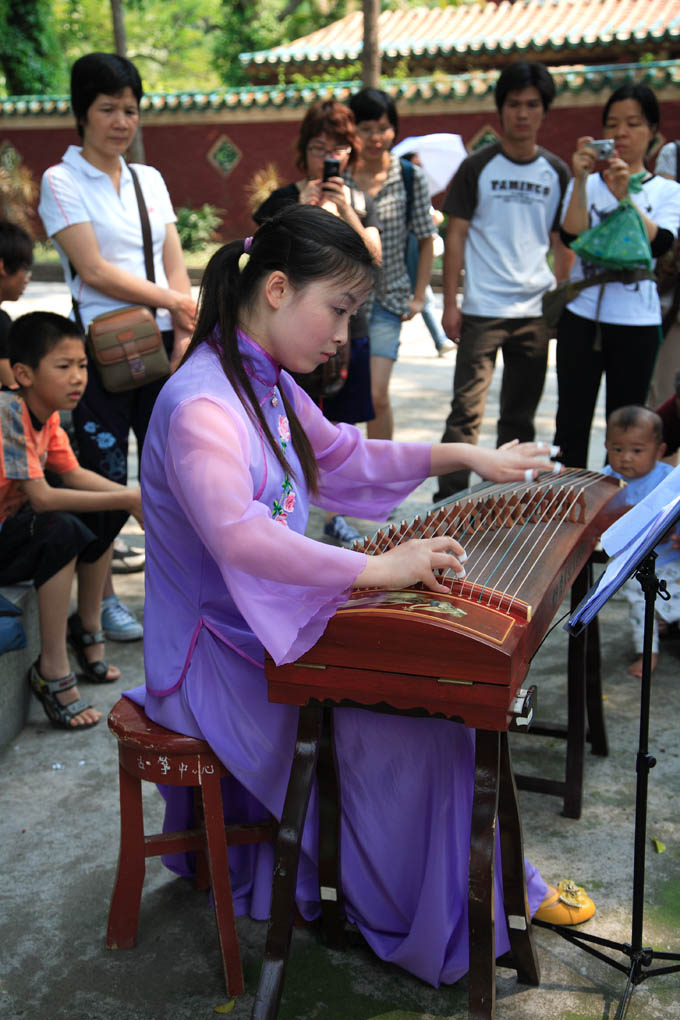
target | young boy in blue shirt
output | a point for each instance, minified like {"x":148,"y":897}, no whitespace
{"x":635,"y":447}
{"x":48,"y":532}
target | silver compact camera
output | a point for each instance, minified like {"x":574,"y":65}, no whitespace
{"x":602,"y":147}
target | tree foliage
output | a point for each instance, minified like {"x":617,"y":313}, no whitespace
{"x":249,"y":25}
{"x":30,"y":58}
{"x":176,"y":44}
{"x":168,"y":40}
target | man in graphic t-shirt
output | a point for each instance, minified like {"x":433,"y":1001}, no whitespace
{"x":504,"y":205}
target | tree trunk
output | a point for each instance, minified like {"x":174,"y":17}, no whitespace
{"x":370,"y":56}
{"x":136,"y":151}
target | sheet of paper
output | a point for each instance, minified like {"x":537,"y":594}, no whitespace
{"x":638,"y":518}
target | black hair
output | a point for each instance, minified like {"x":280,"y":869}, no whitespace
{"x":676,"y":383}
{"x":16,"y":247}
{"x":101,"y":73}
{"x":635,"y":416}
{"x":525,"y":74}
{"x":371,"y":104}
{"x":307,"y":244}
{"x":35,"y":334}
{"x":643,"y":96}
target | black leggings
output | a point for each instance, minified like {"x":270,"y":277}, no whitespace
{"x":627,"y":357}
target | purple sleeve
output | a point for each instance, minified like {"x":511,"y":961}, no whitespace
{"x":362,"y":477}
{"x":285,"y":586}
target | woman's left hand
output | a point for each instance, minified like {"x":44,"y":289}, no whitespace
{"x":617,"y":176}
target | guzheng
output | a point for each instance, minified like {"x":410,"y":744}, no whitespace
{"x":463,"y":654}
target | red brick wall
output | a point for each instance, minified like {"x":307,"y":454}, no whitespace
{"x":179,"y":150}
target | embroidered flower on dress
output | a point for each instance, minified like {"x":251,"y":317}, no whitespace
{"x":281,"y":508}
{"x":284,"y":429}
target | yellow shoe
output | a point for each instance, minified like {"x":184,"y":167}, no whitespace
{"x":567,"y":904}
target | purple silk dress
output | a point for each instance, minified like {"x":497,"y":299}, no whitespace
{"x":228,"y":572}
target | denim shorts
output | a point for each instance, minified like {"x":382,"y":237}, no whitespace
{"x":384,"y":331}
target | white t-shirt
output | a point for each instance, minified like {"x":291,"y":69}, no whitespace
{"x":75,"y":191}
{"x":624,"y":304}
{"x":512,"y":208}
{"x":667,"y":161}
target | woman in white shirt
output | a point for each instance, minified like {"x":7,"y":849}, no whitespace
{"x":89,"y":208}
{"x":612,"y":328}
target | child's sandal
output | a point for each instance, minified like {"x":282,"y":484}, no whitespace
{"x":46,"y":692}
{"x":80,"y":639}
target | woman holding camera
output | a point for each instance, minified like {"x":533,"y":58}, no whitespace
{"x":90,"y":210}
{"x":326,"y":148}
{"x":613,"y":326}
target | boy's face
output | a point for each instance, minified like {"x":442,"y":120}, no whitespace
{"x":633,"y":452}
{"x":57,"y":384}
{"x":12,"y":285}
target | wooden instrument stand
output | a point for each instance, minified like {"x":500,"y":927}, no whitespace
{"x":495,"y":802}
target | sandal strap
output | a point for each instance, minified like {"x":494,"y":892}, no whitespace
{"x":83,"y":637}
{"x":97,"y":671}
{"x":73,"y":709}
{"x":39,"y":683}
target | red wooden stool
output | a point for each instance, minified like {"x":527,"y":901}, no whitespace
{"x":149,"y":752}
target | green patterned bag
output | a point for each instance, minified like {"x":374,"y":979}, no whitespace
{"x":620,"y":241}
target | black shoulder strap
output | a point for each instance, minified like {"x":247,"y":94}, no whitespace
{"x":677,"y":160}
{"x":146,"y":227}
{"x":407,"y":177}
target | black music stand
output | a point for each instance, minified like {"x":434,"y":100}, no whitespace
{"x":636,"y":558}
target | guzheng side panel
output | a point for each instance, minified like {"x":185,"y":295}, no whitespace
{"x":412,"y":649}
{"x":422,"y":633}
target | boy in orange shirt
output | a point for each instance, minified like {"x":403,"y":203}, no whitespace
{"x":48,"y":532}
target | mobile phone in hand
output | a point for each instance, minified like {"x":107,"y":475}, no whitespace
{"x":331,"y":168}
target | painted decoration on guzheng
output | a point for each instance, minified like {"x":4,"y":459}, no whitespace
{"x":410,"y":601}
{"x":462,"y":613}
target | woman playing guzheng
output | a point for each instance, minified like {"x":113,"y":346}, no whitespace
{"x":234,"y":454}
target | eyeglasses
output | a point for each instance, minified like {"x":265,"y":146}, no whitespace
{"x":366,"y":130}
{"x":321,"y":151}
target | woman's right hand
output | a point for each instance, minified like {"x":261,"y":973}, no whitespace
{"x":584,"y":159}
{"x":182,"y":308}
{"x":413,"y":561}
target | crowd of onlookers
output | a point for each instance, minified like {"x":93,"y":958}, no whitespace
{"x":514,"y":212}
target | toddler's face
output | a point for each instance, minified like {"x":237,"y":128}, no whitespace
{"x":633,"y":452}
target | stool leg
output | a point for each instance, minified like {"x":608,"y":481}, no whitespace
{"x":121,"y":932}
{"x":216,"y":840}
{"x":202,"y":879}
{"x":482,"y":976}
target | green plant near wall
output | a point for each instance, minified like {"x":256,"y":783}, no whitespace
{"x":197,"y":227}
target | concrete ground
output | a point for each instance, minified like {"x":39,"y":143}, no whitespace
{"x":59,"y":838}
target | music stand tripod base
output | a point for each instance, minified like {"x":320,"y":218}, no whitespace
{"x":640,"y":958}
